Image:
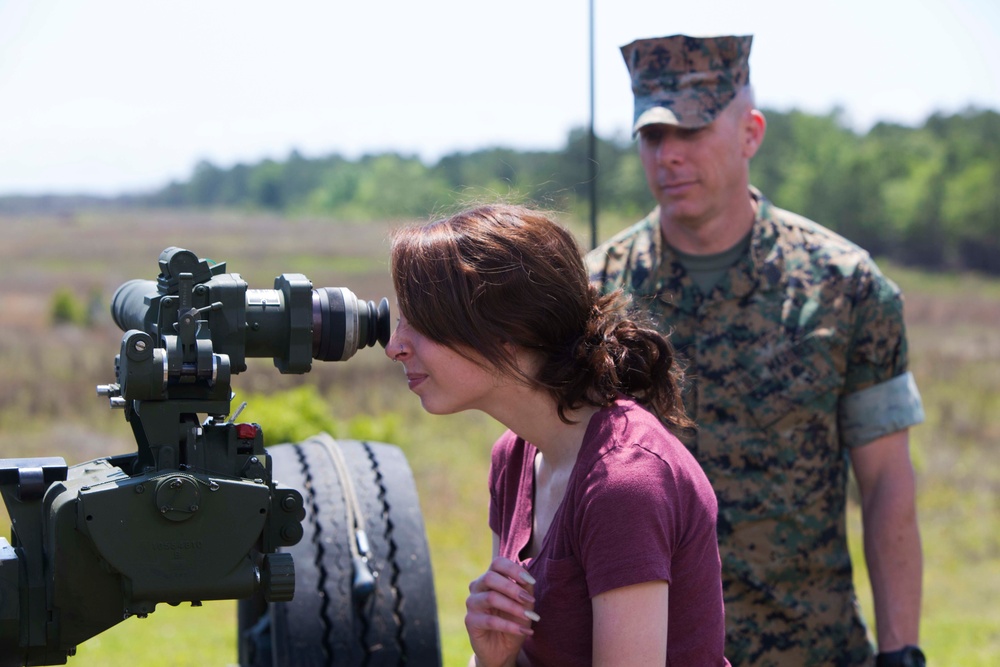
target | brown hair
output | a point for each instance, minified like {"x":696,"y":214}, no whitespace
{"x":502,"y":274}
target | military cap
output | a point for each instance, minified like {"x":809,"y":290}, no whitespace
{"x":685,"y":81}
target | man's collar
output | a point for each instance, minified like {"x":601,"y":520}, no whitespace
{"x":761,"y":270}
{"x":765,"y":254}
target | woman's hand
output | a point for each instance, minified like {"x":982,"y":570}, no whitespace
{"x":499,"y":612}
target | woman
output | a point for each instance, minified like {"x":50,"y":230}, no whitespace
{"x":603,"y":523}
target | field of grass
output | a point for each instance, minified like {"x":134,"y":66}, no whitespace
{"x":48,"y":406}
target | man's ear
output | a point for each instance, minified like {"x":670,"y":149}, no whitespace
{"x":754,"y":128}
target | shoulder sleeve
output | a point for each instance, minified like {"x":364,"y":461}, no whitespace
{"x":878,"y":350}
{"x":627,"y":259}
{"x":627,"y":520}
{"x":880,"y":395}
{"x":606,"y":267}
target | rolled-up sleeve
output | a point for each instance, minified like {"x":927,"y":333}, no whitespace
{"x":879,"y":410}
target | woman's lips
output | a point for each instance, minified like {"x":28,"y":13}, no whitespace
{"x":415,"y":379}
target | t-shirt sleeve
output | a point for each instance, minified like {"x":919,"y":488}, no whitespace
{"x":627,"y":520}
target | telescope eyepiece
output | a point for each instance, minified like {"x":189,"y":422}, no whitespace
{"x":343,"y":324}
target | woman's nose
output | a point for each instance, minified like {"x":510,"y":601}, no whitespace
{"x":395,"y":349}
{"x":392,"y":347}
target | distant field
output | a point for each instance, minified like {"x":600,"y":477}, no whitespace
{"x":48,"y":406}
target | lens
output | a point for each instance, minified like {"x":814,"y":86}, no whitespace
{"x":343,"y":324}
{"x":128,"y":305}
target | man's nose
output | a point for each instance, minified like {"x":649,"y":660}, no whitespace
{"x":669,"y":150}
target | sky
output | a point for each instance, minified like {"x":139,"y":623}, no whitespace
{"x":122,"y":96}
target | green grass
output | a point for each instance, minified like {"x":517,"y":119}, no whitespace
{"x":945,"y":284}
{"x":959,"y":624}
{"x":48,"y":407}
{"x":180,"y":636}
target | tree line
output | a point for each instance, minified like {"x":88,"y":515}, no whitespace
{"x":925,"y":196}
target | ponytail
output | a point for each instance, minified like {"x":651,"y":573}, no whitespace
{"x":618,"y":355}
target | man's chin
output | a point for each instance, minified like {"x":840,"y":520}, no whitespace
{"x":681,"y":213}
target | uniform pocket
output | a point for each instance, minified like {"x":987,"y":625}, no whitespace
{"x":792,"y":380}
{"x":783,"y":454}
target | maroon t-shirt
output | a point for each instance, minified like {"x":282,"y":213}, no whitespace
{"x":637,"y":508}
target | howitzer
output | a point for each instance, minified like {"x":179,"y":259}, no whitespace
{"x":202,"y":511}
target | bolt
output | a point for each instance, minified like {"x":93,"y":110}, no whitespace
{"x":288,"y":503}
{"x":193,"y":508}
{"x":140,"y":346}
{"x":140,"y":488}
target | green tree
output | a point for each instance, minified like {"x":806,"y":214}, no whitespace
{"x":924,"y":196}
{"x":267,"y":186}
{"x":970,"y":214}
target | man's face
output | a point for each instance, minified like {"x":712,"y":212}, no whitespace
{"x":696,"y":174}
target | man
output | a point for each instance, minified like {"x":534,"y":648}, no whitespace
{"x":796,"y":356}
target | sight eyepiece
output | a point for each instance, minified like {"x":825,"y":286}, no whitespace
{"x":343,"y":324}
{"x":293,"y":323}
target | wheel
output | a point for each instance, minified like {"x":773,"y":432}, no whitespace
{"x":347,"y":612}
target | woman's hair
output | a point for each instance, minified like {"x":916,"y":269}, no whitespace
{"x":501,"y":275}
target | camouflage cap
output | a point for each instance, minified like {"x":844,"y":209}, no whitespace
{"x":685,"y":81}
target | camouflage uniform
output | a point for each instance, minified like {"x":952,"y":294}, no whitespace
{"x":797,"y":355}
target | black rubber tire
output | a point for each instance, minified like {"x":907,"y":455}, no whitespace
{"x":325,"y":624}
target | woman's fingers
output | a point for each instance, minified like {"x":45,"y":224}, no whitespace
{"x":492,"y":581}
{"x":505,"y":575}
{"x":502,"y":599}
{"x":487,"y":622}
{"x":492,"y":602}
{"x":499,"y":612}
